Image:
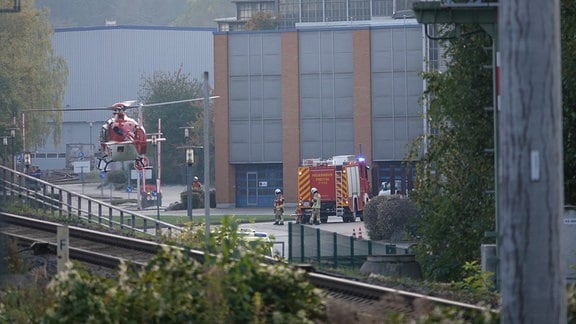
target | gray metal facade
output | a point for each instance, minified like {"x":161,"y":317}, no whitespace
{"x":255,"y":98}
{"x":397,"y":57}
{"x":106,"y":65}
{"x":326,"y":93}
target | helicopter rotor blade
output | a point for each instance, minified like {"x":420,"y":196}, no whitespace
{"x":69,"y":109}
{"x":128,"y":104}
{"x":177,"y":102}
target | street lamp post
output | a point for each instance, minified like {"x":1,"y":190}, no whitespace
{"x":91,"y":146}
{"x":5,"y":143}
{"x":189,"y":162}
{"x":13,"y":136}
{"x":27,"y":161}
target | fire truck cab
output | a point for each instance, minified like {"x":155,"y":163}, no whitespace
{"x":342,"y":182}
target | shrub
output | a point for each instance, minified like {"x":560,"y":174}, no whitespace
{"x":390,"y":217}
{"x":197,"y":199}
{"x":116,"y":177}
{"x":232,"y":286}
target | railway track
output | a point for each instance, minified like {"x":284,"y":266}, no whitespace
{"x":107,"y":250}
{"x":61,"y":177}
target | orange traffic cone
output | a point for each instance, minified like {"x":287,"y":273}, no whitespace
{"x":360,"y":233}
{"x":354,"y":233}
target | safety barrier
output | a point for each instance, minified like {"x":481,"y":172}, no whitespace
{"x":307,"y":244}
{"x":47,"y":199}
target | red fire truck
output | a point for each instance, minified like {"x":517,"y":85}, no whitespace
{"x":342,"y":182}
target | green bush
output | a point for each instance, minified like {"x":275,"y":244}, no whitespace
{"x":390,"y":218}
{"x":197,"y":198}
{"x":233,"y":285}
{"x":116,"y":177}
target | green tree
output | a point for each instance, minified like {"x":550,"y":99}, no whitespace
{"x":31,"y":76}
{"x":233,"y":285}
{"x":456,"y":172}
{"x":262,"y":21}
{"x":168,"y":87}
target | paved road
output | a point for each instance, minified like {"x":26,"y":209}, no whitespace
{"x":171,"y":194}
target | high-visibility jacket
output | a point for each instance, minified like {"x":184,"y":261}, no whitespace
{"x":316,"y":200}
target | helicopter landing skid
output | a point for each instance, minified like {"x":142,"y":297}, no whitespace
{"x":102,"y":160}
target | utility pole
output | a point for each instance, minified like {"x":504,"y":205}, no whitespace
{"x":531,"y":174}
{"x":207,"y":153}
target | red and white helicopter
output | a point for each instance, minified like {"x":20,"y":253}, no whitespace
{"x":124,"y":139}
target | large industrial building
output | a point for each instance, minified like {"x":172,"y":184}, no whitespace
{"x":338,"y":77}
{"x":314,"y":93}
{"x":323,"y":83}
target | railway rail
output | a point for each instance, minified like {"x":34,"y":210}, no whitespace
{"x":61,"y":177}
{"x":107,"y":250}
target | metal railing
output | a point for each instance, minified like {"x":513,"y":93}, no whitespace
{"x":45,"y":199}
{"x":469,"y":3}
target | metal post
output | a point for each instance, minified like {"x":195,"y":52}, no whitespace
{"x":27,"y":161}
{"x":531,"y":171}
{"x":188,"y":192}
{"x":63,"y":247}
{"x":158,"y":168}
{"x":13,"y":136}
{"x":5,"y":143}
{"x":207,"y":153}
{"x":189,"y":162}
{"x":156,"y":144}
{"x":91,"y":147}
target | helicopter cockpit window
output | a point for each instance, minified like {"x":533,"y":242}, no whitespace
{"x":118,"y":130}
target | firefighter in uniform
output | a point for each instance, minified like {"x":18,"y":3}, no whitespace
{"x":278,"y":207}
{"x":316,"y":203}
{"x":196,"y":184}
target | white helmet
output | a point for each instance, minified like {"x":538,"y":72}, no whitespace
{"x":314,"y":190}
{"x":277,"y":191}
{"x":195,"y":178}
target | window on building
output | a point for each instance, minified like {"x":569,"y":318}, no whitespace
{"x":248,"y":9}
{"x":359,"y":10}
{"x":336,"y":10}
{"x":312,"y":11}
{"x":382,"y":8}
{"x":404,"y":5}
{"x":289,"y":10}
{"x":224,"y":27}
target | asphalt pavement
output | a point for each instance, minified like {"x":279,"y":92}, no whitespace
{"x":171,"y":194}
